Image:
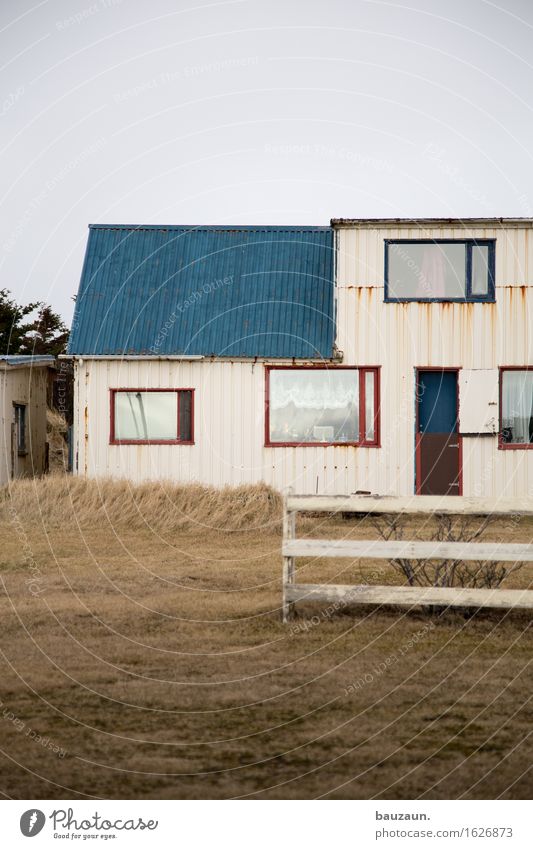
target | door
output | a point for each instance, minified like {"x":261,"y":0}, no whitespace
{"x":438,"y":444}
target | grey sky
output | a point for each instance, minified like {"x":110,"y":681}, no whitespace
{"x":253,"y":111}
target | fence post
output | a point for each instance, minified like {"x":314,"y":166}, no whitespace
{"x":289,"y":532}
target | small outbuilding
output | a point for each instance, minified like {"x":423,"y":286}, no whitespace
{"x":24,"y":389}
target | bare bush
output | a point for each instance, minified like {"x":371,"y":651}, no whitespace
{"x":434,"y":572}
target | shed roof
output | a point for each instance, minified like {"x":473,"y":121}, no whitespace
{"x":15,"y":360}
{"x":193,"y":290}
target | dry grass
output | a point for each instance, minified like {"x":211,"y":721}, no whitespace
{"x":141,"y":639}
{"x":61,"y":499}
{"x":56,"y":433}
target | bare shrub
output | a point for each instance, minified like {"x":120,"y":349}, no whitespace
{"x":434,"y":572}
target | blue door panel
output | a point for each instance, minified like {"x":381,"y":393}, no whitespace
{"x":437,"y":401}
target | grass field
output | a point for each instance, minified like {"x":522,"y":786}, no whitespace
{"x":142,"y":655}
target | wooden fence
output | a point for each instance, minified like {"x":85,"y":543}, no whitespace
{"x":293,"y":547}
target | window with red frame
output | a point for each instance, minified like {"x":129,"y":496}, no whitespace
{"x":516,"y":413}
{"x":146,"y":415}
{"x":320,"y":405}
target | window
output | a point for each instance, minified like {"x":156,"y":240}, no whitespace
{"x":20,"y":425}
{"x":438,"y":270}
{"x":152,"y":415}
{"x":322,"y":406}
{"x":516,"y":408}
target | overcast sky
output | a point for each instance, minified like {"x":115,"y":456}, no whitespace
{"x":253,"y":111}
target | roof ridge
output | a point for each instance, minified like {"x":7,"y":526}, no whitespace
{"x":458,"y":220}
{"x":202,"y":227}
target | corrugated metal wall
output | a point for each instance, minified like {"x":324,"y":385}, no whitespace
{"x":361,"y":255}
{"x":229,"y":418}
{"x":23,"y":386}
{"x":401,"y":337}
{"x":229,"y":430}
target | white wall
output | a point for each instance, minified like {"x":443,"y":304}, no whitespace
{"x":229,"y":431}
{"x":401,"y":337}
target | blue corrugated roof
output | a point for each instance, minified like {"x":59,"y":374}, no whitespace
{"x":224,"y":291}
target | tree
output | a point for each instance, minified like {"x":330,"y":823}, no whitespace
{"x":46,"y":334}
{"x":13,"y":328}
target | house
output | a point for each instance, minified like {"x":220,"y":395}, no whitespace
{"x":390,"y":356}
{"x":24,"y":387}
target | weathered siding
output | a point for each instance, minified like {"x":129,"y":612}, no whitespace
{"x":361,"y":252}
{"x":229,"y":431}
{"x":401,"y":337}
{"x":23,"y":386}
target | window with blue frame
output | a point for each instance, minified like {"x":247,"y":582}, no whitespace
{"x":439,"y":270}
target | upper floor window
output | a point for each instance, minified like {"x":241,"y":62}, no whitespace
{"x":316,"y":405}
{"x":439,"y":270}
{"x":152,"y":415}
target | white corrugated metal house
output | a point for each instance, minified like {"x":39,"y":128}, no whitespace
{"x":389,"y":356}
{"x":23,"y":403}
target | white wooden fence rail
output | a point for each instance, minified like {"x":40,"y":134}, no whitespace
{"x":413,"y":550}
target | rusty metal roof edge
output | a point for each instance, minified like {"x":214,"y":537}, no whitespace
{"x":203,"y":358}
{"x":27,"y":359}
{"x":457,"y":222}
{"x":277,"y":228}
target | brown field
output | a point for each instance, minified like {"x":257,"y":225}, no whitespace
{"x":142,"y":655}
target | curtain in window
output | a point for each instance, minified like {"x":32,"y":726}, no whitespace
{"x":314,"y":391}
{"x":517,"y":405}
{"x":432,"y":278}
{"x":314,"y":405}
